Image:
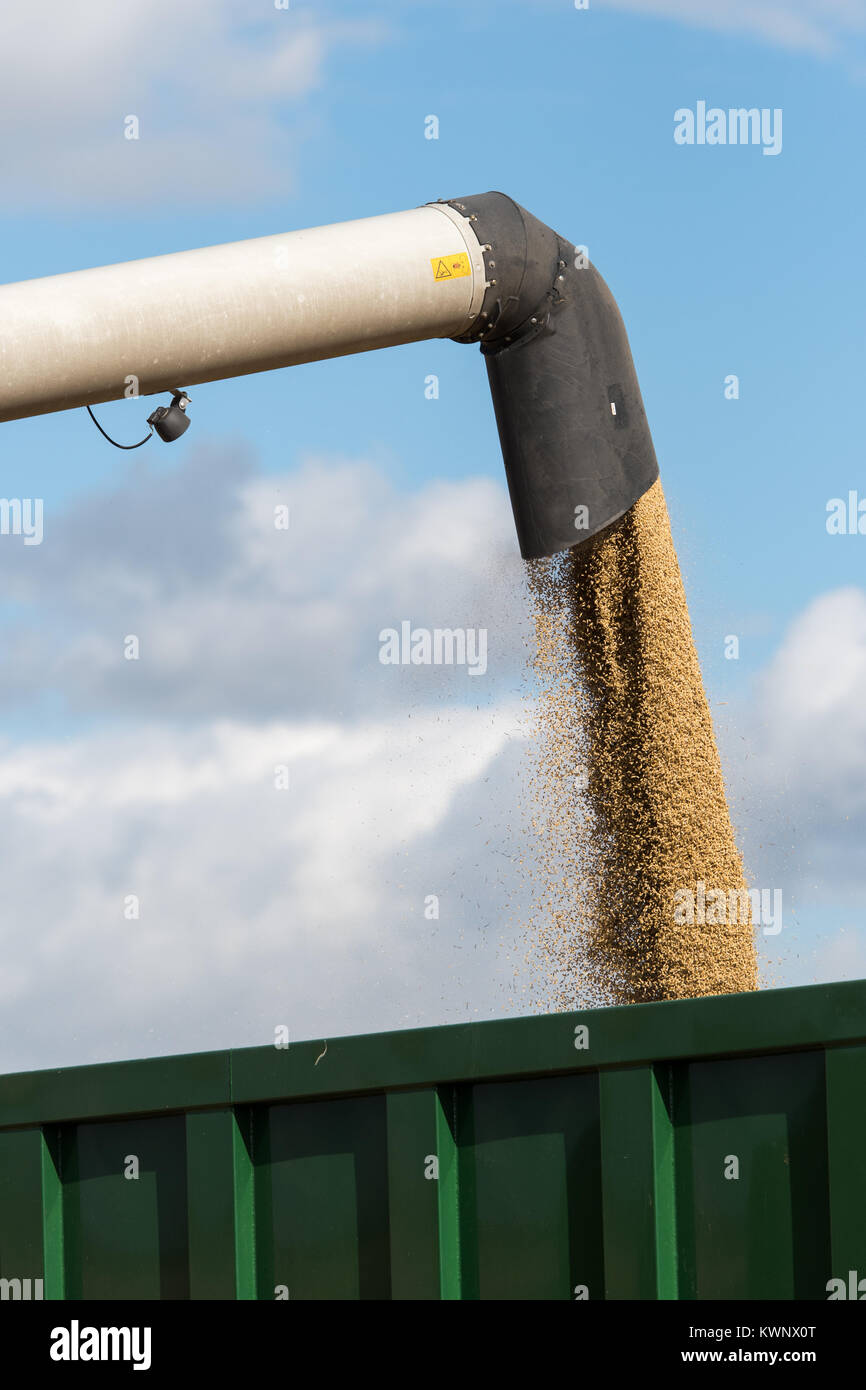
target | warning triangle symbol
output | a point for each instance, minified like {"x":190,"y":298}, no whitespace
{"x":442,"y":272}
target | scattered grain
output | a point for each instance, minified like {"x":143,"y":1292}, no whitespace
{"x":627,"y":796}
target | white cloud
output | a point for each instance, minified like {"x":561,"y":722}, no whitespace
{"x":812,"y":703}
{"x":819,"y":674}
{"x":799,"y":765}
{"x":844,"y":957}
{"x":236,"y":617}
{"x":259,"y":649}
{"x":823,"y":27}
{"x":209,"y":84}
{"x":258,"y":906}
{"x":305,"y":907}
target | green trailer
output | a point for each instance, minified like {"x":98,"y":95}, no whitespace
{"x":697,"y":1149}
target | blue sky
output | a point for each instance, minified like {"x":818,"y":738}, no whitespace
{"x":723,"y":260}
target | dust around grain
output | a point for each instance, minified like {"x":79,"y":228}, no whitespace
{"x":626,"y":794}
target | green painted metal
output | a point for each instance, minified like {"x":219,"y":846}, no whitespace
{"x":219,"y":1184}
{"x":321,"y":1176}
{"x":704,"y":1149}
{"x":125,"y":1209}
{"x":638,"y":1183}
{"x":413,"y":1192}
{"x":156,"y":1084}
{"x":530,"y":1178}
{"x":21,"y":1206}
{"x":448,"y":1194}
{"x":53,"y":1229}
{"x":845,"y":1086}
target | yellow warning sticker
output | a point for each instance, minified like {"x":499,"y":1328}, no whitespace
{"x":451,"y":267}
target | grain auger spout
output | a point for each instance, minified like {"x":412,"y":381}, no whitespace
{"x":575,"y":441}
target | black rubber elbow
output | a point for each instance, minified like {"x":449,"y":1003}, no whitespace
{"x":575,"y":440}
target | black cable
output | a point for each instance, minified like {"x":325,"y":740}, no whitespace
{"x":114,"y":441}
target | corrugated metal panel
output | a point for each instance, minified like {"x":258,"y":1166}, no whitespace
{"x":697,"y":1150}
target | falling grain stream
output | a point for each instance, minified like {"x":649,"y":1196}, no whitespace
{"x":627,"y":791}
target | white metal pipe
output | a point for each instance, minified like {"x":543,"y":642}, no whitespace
{"x":248,"y":306}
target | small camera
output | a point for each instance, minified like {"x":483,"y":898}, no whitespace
{"x":170,"y":421}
